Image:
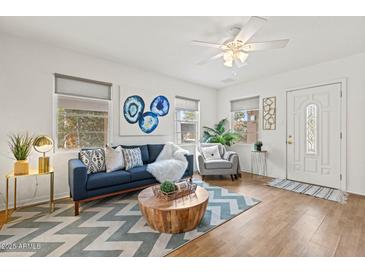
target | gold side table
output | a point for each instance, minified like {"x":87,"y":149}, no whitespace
{"x":32,"y":172}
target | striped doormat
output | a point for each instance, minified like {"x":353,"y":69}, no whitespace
{"x":322,"y":192}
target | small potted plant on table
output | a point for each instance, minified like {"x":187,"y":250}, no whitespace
{"x":258,"y":146}
{"x":21,"y":145}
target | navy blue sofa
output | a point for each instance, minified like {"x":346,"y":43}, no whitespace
{"x":87,"y":187}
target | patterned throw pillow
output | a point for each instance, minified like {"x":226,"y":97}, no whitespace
{"x":132,"y":157}
{"x":94,"y":159}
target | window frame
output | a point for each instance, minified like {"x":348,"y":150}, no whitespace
{"x":258,"y":120}
{"x":55,"y":113}
{"x":197,"y":122}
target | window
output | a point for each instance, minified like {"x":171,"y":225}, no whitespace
{"x":186,"y":120}
{"x":82,"y":113}
{"x":311,"y":129}
{"x":244,"y":119}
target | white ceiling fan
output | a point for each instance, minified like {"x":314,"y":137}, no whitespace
{"x":236,"y":49}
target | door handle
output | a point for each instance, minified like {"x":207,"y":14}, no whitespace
{"x":290,"y":140}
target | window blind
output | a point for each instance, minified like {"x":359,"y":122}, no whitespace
{"x":186,"y":104}
{"x":68,"y":102}
{"x":251,"y":103}
{"x":68,"y":85}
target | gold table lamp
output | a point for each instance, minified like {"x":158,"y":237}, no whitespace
{"x":43,"y":144}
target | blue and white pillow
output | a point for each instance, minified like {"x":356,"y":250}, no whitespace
{"x":94,"y":160}
{"x":132,"y":157}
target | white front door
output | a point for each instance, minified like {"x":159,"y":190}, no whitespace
{"x":314,"y":135}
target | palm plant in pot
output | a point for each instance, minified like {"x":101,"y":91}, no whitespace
{"x":219,"y":134}
{"x":21,"y":145}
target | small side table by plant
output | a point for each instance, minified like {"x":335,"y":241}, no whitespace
{"x":258,"y":162}
{"x":32,"y":172}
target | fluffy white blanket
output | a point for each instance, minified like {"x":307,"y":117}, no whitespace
{"x":170,"y":163}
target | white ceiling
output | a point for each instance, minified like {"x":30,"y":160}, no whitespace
{"x":162,"y":44}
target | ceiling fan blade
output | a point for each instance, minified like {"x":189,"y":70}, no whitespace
{"x":203,"y":62}
{"x":208,"y":44}
{"x":253,"y":25}
{"x":276,"y":44}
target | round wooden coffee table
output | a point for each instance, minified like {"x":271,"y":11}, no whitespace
{"x":177,"y":216}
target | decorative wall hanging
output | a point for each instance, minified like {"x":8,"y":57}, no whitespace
{"x":269,"y":113}
{"x":144,"y":113}
{"x":133,"y":108}
{"x":160,"y":106}
{"x":148,"y":122}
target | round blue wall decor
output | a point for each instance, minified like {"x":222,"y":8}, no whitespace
{"x":133,"y":108}
{"x":160,"y":105}
{"x":148,"y":122}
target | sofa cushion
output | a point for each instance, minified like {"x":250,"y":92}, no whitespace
{"x":139,"y":173}
{"x":217,"y":164}
{"x":144,"y":152}
{"x":103,"y":179}
{"x":154,"y":151}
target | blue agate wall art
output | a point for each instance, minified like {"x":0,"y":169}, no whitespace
{"x":133,"y":108}
{"x":133,"y":111}
{"x":160,"y":105}
{"x":148,"y":122}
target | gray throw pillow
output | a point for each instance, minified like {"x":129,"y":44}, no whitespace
{"x":132,"y":157}
{"x":93,"y":159}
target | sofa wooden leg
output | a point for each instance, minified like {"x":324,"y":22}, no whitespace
{"x":232,"y":177}
{"x":77,"y":208}
{"x":203,"y":177}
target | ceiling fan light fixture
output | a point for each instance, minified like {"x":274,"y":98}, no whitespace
{"x":242,"y":56}
{"x":228,"y":63}
{"x":228,"y":56}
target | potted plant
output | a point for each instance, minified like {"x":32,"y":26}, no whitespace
{"x":219,"y":134}
{"x":258,"y":146}
{"x":21,"y":145}
{"x":167,"y":187}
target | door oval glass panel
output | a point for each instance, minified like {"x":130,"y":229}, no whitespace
{"x":311,"y":124}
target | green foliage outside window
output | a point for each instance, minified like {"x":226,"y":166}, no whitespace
{"x":81,"y":128}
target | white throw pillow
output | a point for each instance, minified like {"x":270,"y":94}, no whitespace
{"x":114,"y":159}
{"x":211,"y":153}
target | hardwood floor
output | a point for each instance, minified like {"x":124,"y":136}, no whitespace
{"x":283,"y":224}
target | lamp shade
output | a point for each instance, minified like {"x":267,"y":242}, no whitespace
{"x":43,"y":144}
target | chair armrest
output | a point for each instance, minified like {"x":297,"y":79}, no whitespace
{"x":229,"y":155}
{"x":234,"y":159}
{"x":200,"y":160}
{"x":190,"y":168}
{"x":77,"y":178}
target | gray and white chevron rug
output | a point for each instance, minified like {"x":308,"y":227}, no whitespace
{"x":109,"y":227}
{"x":322,"y":192}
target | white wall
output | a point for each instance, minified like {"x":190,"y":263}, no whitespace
{"x":26,"y":96}
{"x":352,"y":68}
